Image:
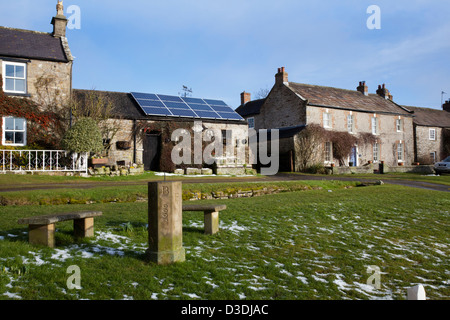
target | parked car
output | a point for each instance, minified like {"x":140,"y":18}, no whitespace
{"x":443,"y":166}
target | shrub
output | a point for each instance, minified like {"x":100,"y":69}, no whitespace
{"x":84,"y":136}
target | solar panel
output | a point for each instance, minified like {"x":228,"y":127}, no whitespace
{"x":173,"y":106}
{"x":193,"y":100}
{"x":157,"y":111}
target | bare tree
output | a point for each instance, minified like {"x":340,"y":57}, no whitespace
{"x":307,"y":144}
{"x":262,"y":93}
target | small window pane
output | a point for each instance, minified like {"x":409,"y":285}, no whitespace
{"x":9,"y":123}
{"x":20,"y":72}
{"x":9,"y":84}
{"x":19,"y":138}
{"x":20,"y":85}
{"x":19,"y":124}
{"x":9,"y":137}
{"x":9,"y":70}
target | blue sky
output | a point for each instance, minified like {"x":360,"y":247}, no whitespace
{"x":221,"y":48}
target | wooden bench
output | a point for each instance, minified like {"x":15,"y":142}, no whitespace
{"x":211,"y":213}
{"x":41,"y":229}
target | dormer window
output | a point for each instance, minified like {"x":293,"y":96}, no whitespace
{"x":14,"y":77}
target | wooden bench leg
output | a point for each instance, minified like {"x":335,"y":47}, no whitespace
{"x":83,"y":228}
{"x":39,"y":234}
{"x":211,"y":222}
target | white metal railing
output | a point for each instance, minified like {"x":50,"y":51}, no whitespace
{"x":42,"y":160}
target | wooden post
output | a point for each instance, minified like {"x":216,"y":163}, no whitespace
{"x":165,"y":227}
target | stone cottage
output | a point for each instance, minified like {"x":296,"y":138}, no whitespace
{"x":142,"y":138}
{"x":36,"y":65}
{"x":431,"y":133}
{"x":291,"y":106}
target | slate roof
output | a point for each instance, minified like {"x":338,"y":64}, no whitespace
{"x":346,"y":99}
{"x":250,"y":108}
{"x":430,"y":117}
{"x":18,"y":43}
{"x":126,"y":107}
{"x":322,"y":96}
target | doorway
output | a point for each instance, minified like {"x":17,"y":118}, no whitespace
{"x":353,"y":161}
{"x":152,"y":151}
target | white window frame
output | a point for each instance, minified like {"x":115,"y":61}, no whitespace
{"x":24,"y":65}
{"x":432,"y":134}
{"x":399,"y":125}
{"x":350,"y":123}
{"x":327,"y":120}
{"x":251,"y":122}
{"x":24,"y":131}
{"x":375,"y":125}
{"x":376,"y":152}
{"x":400,"y":152}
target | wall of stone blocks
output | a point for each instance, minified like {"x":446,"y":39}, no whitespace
{"x":387,"y":132}
{"x":57,"y":87}
{"x":425,"y":146}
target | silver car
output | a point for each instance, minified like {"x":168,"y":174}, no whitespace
{"x":443,"y":166}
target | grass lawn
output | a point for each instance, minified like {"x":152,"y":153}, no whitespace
{"x":314,"y":244}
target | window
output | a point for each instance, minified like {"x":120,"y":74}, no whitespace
{"x":376,"y":152}
{"x":433,"y":156}
{"x":328,"y":152}
{"x":326,"y":120}
{"x":432,"y":134}
{"x":400,"y":150}
{"x":374,"y":125}
{"x":251,"y":122}
{"x":350,"y":123}
{"x":399,"y":125}
{"x":14,"y":131}
{"x":14,"y":77}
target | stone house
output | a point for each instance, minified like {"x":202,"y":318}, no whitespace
{"x":291,"y":106}
{"x":146,"y":139}
{"x":431,"y":133}
{"x":36,"y":65}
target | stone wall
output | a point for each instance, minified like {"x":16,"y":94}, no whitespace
{"x":425,"y":146}
{"x":48,"y":82}
{"x":388,"y":135}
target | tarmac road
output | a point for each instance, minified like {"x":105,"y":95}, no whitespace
{"x":277,"y":177}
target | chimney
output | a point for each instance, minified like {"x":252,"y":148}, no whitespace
{"x":446,"y":106}
{"x":383,"y":92}
{"x":281,"y":77}
{"x":245,"y":97}
{"x":59,"y":22}
{"x":363,"y":88}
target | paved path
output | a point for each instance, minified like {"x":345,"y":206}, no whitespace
{"x":277,"y":177}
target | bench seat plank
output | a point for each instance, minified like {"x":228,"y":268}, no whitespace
{"x":204,"y":207}
{"x":53,"y":218}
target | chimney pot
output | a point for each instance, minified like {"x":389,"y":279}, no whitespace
{"x":363,"y":88}
{"x":59,"y":22}
{"x":281,"y":76}
{"x":446,"y":106}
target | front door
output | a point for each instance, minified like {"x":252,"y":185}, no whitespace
{"x":353,"y":157}
{"x":151,"y":152}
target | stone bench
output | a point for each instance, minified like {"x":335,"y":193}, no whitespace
{"x":211,"y":214}
{"x":41,"y":229}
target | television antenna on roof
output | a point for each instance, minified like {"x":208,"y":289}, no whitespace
{"x":187,"y":92}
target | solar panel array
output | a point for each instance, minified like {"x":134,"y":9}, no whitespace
{"x":173,"y":106}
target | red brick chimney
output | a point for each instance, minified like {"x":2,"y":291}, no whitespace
{"x":363,"y":88}
{"x":281,"y":77}
{"x":446,"y":106}
{"x":245,"y":97}
{"x":383,"y":92}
